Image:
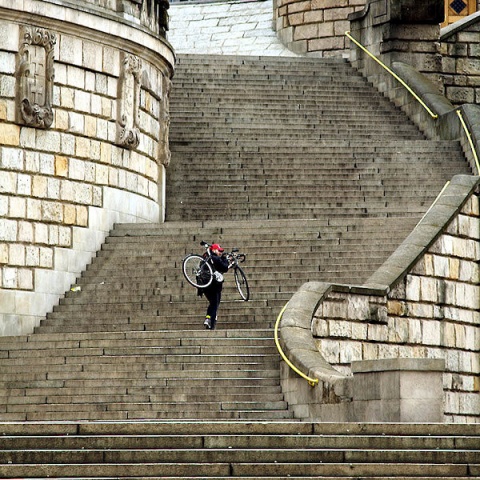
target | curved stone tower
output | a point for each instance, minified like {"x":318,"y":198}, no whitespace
{"x":84,"y":120}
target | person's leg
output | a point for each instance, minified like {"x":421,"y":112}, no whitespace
{"x":211,"y":296}
{"x":214,"y":296}
{"x":217,"y":304}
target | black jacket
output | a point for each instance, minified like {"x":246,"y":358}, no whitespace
{"x":220,"y":264}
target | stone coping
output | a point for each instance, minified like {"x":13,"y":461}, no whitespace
{"x":423,"y":87}
{"x":295,"y":335}
{"x":459,"y":25}
{"x":399,"y":365}
{"x":447,"y":205}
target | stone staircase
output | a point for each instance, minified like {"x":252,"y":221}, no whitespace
{"x":207,"y":450}
{"x":312,"y":174}
{"x":271,"y":138}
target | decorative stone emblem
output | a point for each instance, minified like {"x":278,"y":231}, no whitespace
{"x":35,"y":74}
{"x":129,"y":101}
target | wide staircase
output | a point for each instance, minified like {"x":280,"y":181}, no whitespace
{"x":315,"y":176}
{"x":267,"y":450}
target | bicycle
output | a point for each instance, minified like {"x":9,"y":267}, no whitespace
{"x":199,"y":273}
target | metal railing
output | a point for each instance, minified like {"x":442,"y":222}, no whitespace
{"x":394,"y":75}
{"x":312,"y":381}
{"x":432,"y":114}
{"x":470,"y":141}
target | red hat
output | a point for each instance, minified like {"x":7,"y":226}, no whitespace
{"x":216,"y":246}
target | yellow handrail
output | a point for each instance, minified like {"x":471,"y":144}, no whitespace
{"x":433,"y":115}
{"x":311,"y":381}
{"x":470,"y":141}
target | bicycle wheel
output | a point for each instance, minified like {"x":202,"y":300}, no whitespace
{"x":242,"y":283}
{"x":197,"y":271}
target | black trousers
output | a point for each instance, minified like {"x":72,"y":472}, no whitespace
{"x":214,"y":295}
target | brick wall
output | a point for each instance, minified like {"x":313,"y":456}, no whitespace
{"x":314,"y":27}
{"x":82,"y":146}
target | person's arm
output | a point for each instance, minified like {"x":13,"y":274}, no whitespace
{"x":220,"y":263}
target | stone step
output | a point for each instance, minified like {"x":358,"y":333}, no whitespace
{"x":307,"y":115}
{"x":163,"y":337}
{"x":239,"y":449}
{"x":248,"y":469}
{"x":240,"y":455}
{"x":339,"y":443}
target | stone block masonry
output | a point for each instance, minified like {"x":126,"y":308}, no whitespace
{"x":433,"y":313}
{"x":83,"y":144}
{"x":314,"y":27}
{"x":460,"y":53}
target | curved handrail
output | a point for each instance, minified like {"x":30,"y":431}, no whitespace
{"x":312,"y":381}
{"x":432,"y":114}
{"x":470,"y":141}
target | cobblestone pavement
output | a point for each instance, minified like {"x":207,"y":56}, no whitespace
{"x":225,"y":28}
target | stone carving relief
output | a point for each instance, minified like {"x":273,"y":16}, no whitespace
{"x":35,"y":75}
{"x":164,"y":148}
{"x":129,"y":102}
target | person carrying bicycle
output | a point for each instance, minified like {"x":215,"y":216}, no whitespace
{"x":213,"y":292}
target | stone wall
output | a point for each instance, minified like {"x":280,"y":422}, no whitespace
{"x":413,"y":52}
{"x":460,"y":50}
{"x":83,"y":143}
{"x":314,"y":27}
{"x":430,"y":313}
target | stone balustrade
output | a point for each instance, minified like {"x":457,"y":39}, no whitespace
{"x":422,"y":304}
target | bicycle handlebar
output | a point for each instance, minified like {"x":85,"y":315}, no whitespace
{"x":241,"y":257}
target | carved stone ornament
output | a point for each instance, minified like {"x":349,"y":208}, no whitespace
{"x":129,"y":102}
{"x":35,"y":75}
{"x":163,"y":144}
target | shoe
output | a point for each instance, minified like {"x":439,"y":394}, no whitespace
{"x":207,"y":323}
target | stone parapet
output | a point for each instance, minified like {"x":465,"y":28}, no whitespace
{"x":83,"y":143}
{"x":421,"y":305}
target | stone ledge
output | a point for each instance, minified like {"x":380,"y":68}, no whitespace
{"x":425,"y":233}
{"x":103,"y":24}
{"x":399,"y":364}
{"x":423,"y":87}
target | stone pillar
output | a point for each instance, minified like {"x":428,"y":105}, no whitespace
{"x":398,"y":390}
